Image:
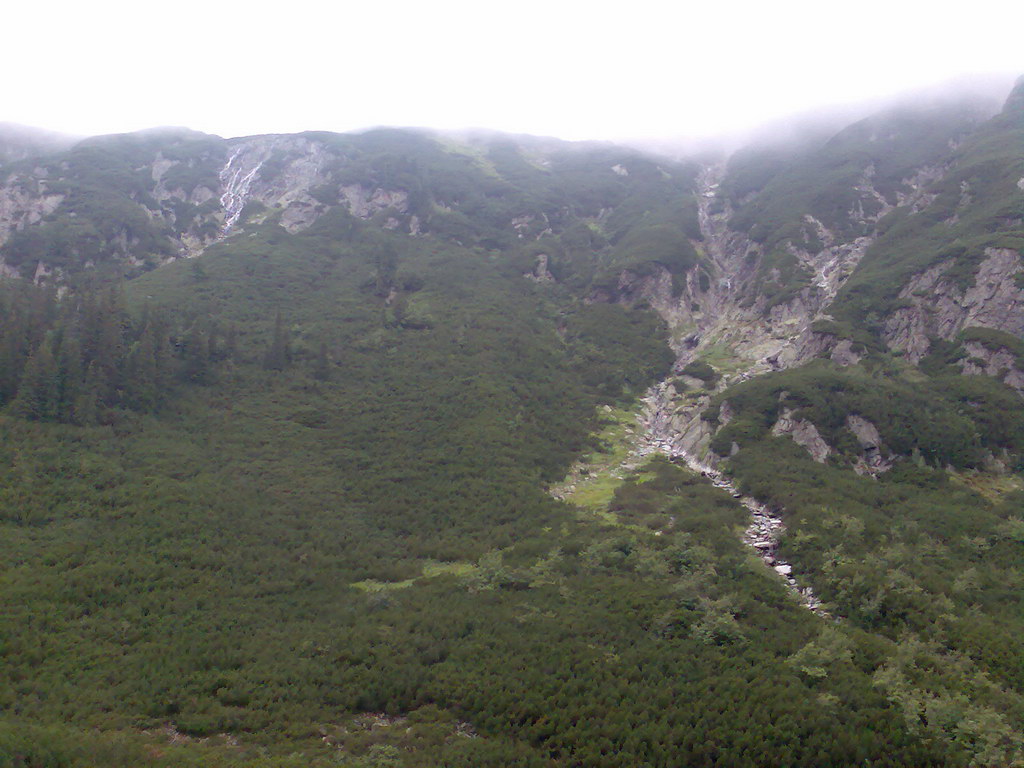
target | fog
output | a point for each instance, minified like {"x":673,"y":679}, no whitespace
{"x":981,"y":94}
{"x":574,"y":70}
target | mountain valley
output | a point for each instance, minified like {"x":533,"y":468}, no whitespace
{"x":407,"y":448}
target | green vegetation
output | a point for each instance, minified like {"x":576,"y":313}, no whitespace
{"x":594,"y":479}
{"x":699,"y":369}
{"x":202,"y":550}
{"x":85,"y":360}
{"x":928,"y":558}
{"x":994,"y":341}
{"x":335,"y":546}
{"x":106,"y":188}
{"x":977,"y":205}
{"x":925,"y":562}
{"x":354,"y":497}
{"x":949,"y":419}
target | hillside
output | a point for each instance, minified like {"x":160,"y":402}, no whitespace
{"x":406,"y":449}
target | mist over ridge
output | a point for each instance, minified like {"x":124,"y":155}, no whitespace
{"x":982,"y":92}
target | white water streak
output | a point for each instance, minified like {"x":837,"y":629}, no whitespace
{"x":237,"y":180}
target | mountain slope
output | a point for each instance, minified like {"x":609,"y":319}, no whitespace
{"x":138,"y":200}
{"x":919,"y":396}
{"x":287,"y":501}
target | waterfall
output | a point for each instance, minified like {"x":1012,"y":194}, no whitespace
{"x":237,"y":177}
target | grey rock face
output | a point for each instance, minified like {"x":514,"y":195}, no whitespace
{"x":24,"y":202}
{"x":1000,"y":363}
{"x":874,"y":459}
{"x":865,"y":432}
{"x":804,"y":434}
{"x":843,"y":354}
{"x":917,"y":199}
{"x":940,"y":308}
{"x":363,"y":202}
{"x":541,"y":273}
{"x":298,"y":167}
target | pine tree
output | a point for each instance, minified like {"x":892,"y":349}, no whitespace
{"x":194,"y":355}
{"x":231,"y":342}
{"x":144,"y":370}
{"x":86,"y":405}
{"x":70,"y":373}
{"x":322,"y":370}
{"x":108,"y":352}
{"x":277,"y":357}
{"x":39,"y":390}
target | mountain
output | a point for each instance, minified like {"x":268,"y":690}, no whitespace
{"x":404,"y":448}
{"x":20,"y":142}
{"x":139,"y":200}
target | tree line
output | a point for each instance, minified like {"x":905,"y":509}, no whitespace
{"x":81,"y":358}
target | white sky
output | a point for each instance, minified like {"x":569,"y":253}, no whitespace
{"x":571,"y":69}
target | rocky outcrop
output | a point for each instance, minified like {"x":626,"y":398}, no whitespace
{"x":24,"y":202}
{"x":278,"y":172}
{"x":937,"y":307}
{"x":874,"y":459}
{"x":654,"y":287}
{"x":804,"y":434}
{"x":996,"y":300}
{"x":184,"y":216}
{"x":676,"y":427}
{"x":364,"y":202}
{"x":766,"y":526}
{"x":293,"y":175}
{"x":833,"y":264}
{"x":915,"y":194}
{"x":540,"y":272}
{"x":195,"y":224}
{"x":871,"y":204}
{"x":6,"y":270}
{"x":843,"y":353}
{"x":999,"y":363}
{"x":720,"y":302}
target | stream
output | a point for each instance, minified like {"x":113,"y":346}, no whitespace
{"x":765,"y":528}
{"x":661,"y":435}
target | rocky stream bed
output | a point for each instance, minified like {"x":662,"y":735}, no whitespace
{"x":765,"y":528}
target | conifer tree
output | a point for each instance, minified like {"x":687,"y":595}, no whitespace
{"x":71,"y":374}
{"x":322,"y":369}
{"x":277,"y":357}
{"x":194,"y":355}
{"x":86,"y":405}
{"x":39,"y":390}
{"x":144,"y":369}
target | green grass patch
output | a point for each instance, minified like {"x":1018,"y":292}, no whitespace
{"x":592,"y":482}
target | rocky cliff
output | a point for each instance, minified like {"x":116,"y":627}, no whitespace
{"x":773,"y":293}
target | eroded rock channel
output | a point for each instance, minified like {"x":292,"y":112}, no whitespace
{"x":765,"y":528}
